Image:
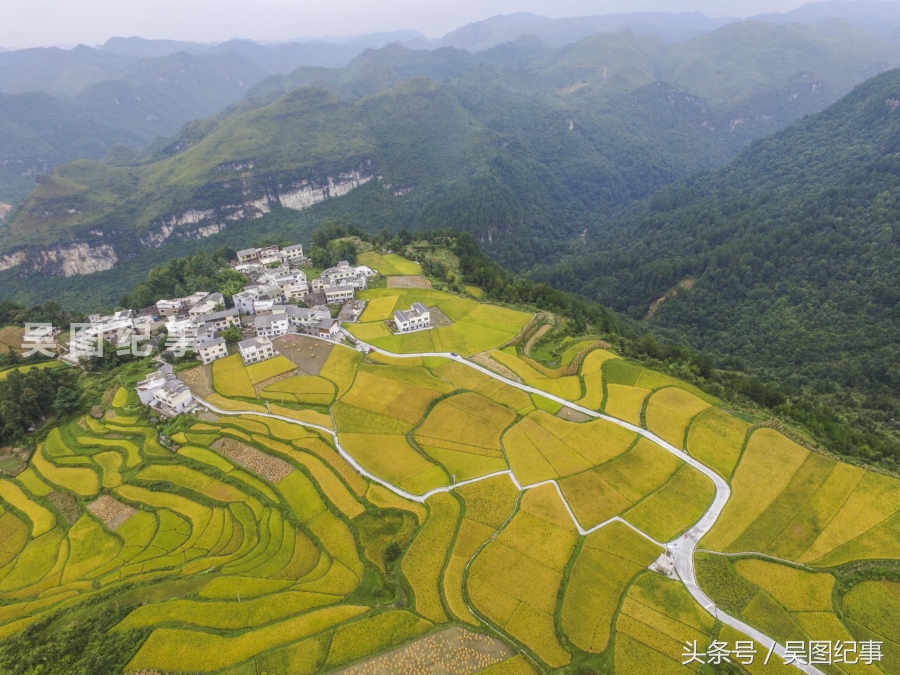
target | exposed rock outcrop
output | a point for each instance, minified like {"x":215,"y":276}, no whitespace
{"x":305,"y":193}
{"x":88,"y":257}
{"x":67,"y":260}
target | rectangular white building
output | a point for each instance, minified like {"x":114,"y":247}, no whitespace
{"x":418,"y":317}
{"x":256,"y":349}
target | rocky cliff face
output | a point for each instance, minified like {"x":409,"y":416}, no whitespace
{"x":67,"y":260}
{"x":97,"y":251}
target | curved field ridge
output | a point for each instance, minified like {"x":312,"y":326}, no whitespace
{"x":260,"y":564}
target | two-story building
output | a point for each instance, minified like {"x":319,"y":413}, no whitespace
{"x":272,"y":325}
{"x":418,"y":317}
{"x":217,"y":322}
{"x":169,"y":307}
{"x":173,"y":397}
{"x":337,"y":294}
{"x":293,"y":254}
{"x":210,"y":350}
{"x":256,"y":349}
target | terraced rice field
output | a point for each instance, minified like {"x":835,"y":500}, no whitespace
{"x":798,"y":505}
{"x":259,"y":547}
{"x":389,"y":265}
{"x":656,"y":618}
{"x":476,"y":327}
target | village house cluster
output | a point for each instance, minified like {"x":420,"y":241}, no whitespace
{"x":125,"y":330}
{"x":264,"y":307}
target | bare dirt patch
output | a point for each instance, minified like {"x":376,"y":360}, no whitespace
{"x":268,"y":467}
{"x":484,"y":360}
{"x":438,"y":318}
{"x":683,"y":285}
{"x":111,"y":511}
{"x":453,"y":651}
{"x":66,"y":505}
{"x":199,"y":379}
{"x":11,"y":336}
{"x":572,"y":415}
{"x":411,"y":281}
{"x":207,"y":416}
{"x":307,"y":353}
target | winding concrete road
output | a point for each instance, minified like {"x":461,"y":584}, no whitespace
{"x":682,"y":548}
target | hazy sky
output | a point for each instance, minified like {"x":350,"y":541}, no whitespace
{"x":25,"y":23}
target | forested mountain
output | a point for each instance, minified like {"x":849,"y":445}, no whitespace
{"x":130,"y":92}
{"x":523,"y":145}
{"x":786,"y":258}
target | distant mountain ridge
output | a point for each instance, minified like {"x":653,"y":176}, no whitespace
{"x":524,"y":146}
{"x":147,"y":89}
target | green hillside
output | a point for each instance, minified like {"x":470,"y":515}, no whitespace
{"x":441,"y":155}
{"x":785,"y":259}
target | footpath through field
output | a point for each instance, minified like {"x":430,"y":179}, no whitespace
{"x":682,"y":548}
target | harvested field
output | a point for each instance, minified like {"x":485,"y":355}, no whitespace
{"x":572,"y":415}
{"x":257,"y":461}
{"x":452,"y":651}
{"x":408,"y":281}
{"x":306,"y":353}
{"x":111,"y":511}
{"x":11,"y":336}
{"x":537,"y":335}
{"x":199,"y":379}
{"x":66,"y":504}
{"x":490,"y":363}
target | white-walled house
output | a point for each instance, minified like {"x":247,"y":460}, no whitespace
{"x":272,"y":325}
{"x":210,"y":350}
{"x":292,"y":253}
{"x":329,"y":328}
{"x":147,"y":387}
{"x":216,"y":322}
{"x":173,"y":397}
{"x":338,"y":294}
{"x":418,"y":317}
{"x":256,"y":349}
{"x":169,"y":307}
